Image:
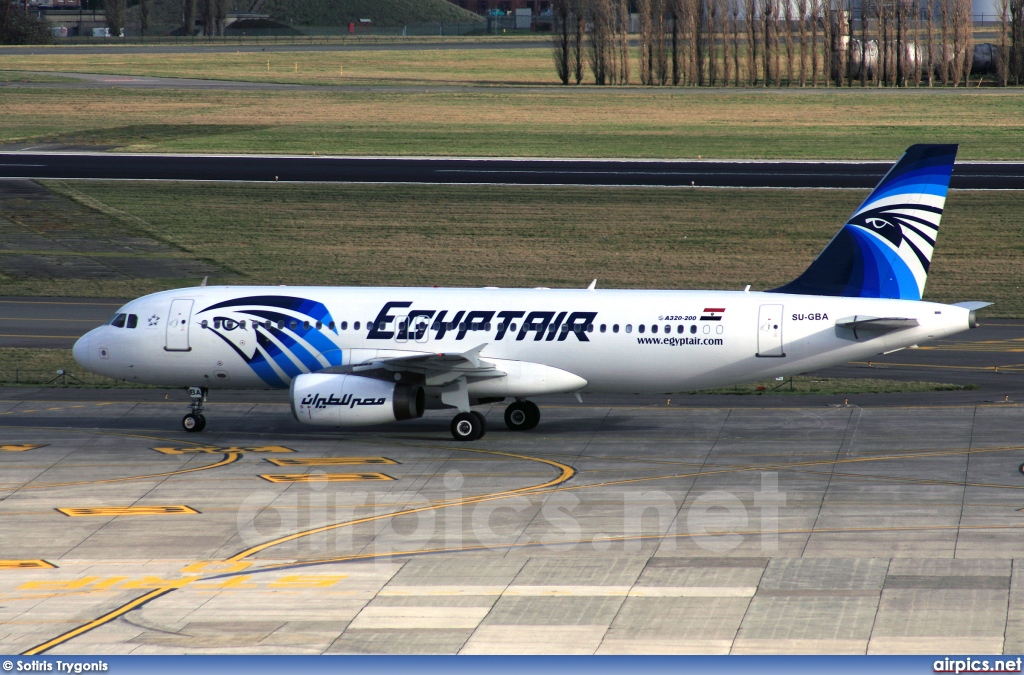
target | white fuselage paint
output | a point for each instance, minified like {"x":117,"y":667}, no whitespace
{"x":721,"y":352}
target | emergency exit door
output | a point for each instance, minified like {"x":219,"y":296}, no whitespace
{"x":769,"y":331}
{"x":177,"y":326}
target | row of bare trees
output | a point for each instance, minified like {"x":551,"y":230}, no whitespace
{"x":783,"y":42}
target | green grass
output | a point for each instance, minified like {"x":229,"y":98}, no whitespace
{"x":797,"y":386}
{"x":532,"y":236}
{"x":38,"y":367}
{"x":558,"y":122}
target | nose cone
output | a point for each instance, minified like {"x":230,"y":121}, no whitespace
{"x":81,"y":351}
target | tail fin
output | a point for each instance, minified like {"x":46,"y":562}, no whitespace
{"x":884,"y":250}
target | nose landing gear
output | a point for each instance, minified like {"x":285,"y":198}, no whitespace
{"x":194,"y":421}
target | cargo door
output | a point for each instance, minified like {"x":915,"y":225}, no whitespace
{"x":177,"y":326}
{"x":769,"y":331}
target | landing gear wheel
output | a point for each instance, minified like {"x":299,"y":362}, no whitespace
{"x":193,"y":423}
{"x":522,"y":416}
{"x":467,"y":427}
{"x":483,"y":422}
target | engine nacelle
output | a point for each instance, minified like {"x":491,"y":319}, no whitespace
{"x":351,"y":400}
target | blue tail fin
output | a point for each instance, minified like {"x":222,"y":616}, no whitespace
{"x":885,"y":249}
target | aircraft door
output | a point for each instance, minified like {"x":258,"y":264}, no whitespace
{"x":177,"y":326}
{"x":401,"y":329}
{"x":421,"y":329}
{"x":769,"y":331}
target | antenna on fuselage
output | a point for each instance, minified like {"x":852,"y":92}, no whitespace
{"x":205,"y":279}
{"x":593,"y":285}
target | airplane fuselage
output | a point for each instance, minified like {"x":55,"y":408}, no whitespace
{"x":623,"y":341}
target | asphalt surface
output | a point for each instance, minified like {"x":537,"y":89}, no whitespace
{"x":674,"y":173}
{"x":611,"y":529}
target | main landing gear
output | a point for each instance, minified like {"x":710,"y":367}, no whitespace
{"x":194,"y":421}
{"x":471,"y":426}
{"x":522,"y":416}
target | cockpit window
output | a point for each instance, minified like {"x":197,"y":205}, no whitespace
{"x":133,"y":321}
{"x":118,"y":321}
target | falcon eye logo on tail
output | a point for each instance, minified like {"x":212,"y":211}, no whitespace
{"x":885,"y":249}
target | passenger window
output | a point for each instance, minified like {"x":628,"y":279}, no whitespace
{"x":305,"y":325}
{"x":679,"y":329}
{"x":241,"y":324}
{"x":355,"y":326}
{"x":344,"y":325}
{"x":293,"y":324}
{"x":513,"y":328}
{"x":604,"y":327}
{"x":331,"y":325}
{"x":641,"y":328}
{"x":369,"y":325}
{"x":119,"y":320}
{"x":203,"y":323}
{"x":487,"y":326}
{"x":280,"y":325}
{"x":319,"y":325}
{"x":668,"y":329}
{"x":133,"y":320}
{"x":654,"y":329}
{"x":693,"y":328}
{"x":615,"y":328}
{"x":590,"y":328}
{"x":629,"y":328}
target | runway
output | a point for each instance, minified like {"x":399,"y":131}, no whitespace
{"x":675,"y":173}
{"x":612,"y":528}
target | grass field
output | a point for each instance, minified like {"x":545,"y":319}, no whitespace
{"x":558,"y":122}
{"x":532,"y":236}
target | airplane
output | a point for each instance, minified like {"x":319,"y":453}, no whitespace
{"x":355,"y":356}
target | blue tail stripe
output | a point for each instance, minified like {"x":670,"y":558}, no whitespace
{"x":871,"y":256}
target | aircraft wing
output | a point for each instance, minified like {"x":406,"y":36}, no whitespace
{"x":437,"y":369}
{"x":875,"y":325}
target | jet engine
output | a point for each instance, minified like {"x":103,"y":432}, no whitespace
{"x":351,"y":400}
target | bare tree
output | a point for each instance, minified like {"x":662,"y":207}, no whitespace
{"x":644,"y":9}
{"x":1002,"y":60}
{"x":770,"y":42}
{"x":579,"y":30}
{"x":1017,"y":42}
{"x":944,"y":55}
{"x":863,"y":44}
{"x":115,"y":14}
{"x":675,"y":10}
{"x":188,"y":24}
{"x":561,"y":38}
{"x":787,"y":25}
{"x":963,"y":22}
{"x":602,"y":42}
{"x":815,"y":14}
{"x":802,"y":11}
{"x":752,"y":24}
{"x":734,"y":11}
{"x":711,"y":23}
{"x":208,"y":11}
{"x":623,"y":28}
{"x":929,"y":17}
{"x":144,"y":16}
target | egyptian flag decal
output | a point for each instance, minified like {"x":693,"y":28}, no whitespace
{"x":712,"y":314}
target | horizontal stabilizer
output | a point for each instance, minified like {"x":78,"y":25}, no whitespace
{"x":875,"y":325}
{"x":973,"y":304}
